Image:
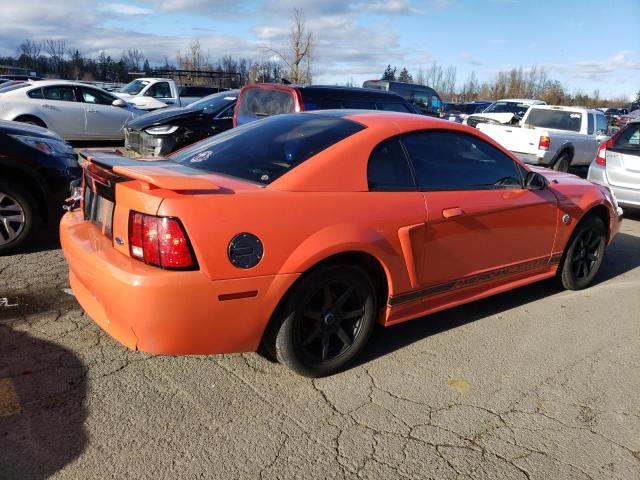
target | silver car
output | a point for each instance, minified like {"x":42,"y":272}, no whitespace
{"x":74,"y":110}
{"x":617,"y":165}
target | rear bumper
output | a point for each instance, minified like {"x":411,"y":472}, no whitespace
{"x":626,"y":197}
{"x":531,"y":159}
{"x":165,"y":312}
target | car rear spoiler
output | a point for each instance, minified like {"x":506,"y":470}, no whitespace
{"x":151,"y":173}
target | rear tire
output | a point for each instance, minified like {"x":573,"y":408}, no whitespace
{"x":562,"y":163}
{"x":325,"y":321}
{"x":17,"y":217}
{"x":583,"y":255}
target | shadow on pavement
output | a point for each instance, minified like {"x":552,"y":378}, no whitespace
{"x":622,"y":256}
{"x":42,"y":412}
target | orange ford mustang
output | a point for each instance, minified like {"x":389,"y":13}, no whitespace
{"x":299,"y":232}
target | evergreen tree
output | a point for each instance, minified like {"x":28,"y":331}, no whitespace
{"x":389,"y":73}
{"x":405,"y":76}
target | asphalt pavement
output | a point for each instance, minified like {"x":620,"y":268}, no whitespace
{"x":537,"y":383}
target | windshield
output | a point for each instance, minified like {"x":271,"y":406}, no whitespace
{"x":15,"y":86}
{"x":263,"y":151}
{"x":516,"y":108}
{"x":555,"y":119}
{"x":134,"y":87}
{"x":217,"y":101}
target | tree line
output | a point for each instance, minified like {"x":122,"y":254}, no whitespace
{"x":515,"y":83}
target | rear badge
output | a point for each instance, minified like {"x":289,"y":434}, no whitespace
{"x":119,"y":241}
{"x":245,"y":250}
{"x":566,"y":219}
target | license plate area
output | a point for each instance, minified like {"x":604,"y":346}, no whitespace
{"x":98,"y":210}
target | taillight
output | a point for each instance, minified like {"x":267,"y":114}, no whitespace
{"x":601,"y":156}
{"x":159,"y":241}
{"x":544,"y":143}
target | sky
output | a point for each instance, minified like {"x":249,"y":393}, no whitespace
{"x":586,"y":44}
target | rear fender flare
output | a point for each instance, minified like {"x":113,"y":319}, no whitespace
{"x":343,"y":238}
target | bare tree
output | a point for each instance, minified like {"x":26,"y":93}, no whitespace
{"x":56,"y":49}
{"x":29,"y":52}
{"x":134,"y":58}
{"x":298,"y":54}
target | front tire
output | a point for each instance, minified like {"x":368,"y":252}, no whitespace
{"x":583,"y":255}
{"x":325,"y":322}
{"x":17,"y":217}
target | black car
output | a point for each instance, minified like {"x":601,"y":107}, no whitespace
{"x":163,"y":131}
{"x":458,"y":112}
{"x":261,"y":100}
{"x":425,"y":99}
{"x":37,"y":169}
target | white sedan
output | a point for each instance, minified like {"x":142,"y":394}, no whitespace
{"x":74,"y":110}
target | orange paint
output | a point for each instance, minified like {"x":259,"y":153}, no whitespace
{"x":437,"y":249}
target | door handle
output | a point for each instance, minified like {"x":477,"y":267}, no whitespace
{"x":452,"y":212}
{"x":46,"y":105}
{"x":92,"y":110}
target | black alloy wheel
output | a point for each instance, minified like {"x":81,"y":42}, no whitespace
{"x":330,"y":323}
{"x":584,"y":254}
{"x":325,"y":322}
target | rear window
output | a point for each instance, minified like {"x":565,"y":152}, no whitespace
{"x":556,"y":119}
{"x":263,"y":151}
{"x":629,"y":138}
{"x":263,"y":102}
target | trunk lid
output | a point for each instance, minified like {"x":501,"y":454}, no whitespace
{"x":623,"y":167}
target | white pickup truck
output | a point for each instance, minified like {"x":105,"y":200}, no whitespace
{"x":553,"y":136}
{"x":155,"y":93}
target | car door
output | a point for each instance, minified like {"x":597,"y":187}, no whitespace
{"x":480,"y":218}
{"x":103,"y":119}
{"x":62,"y":112}
{"x":161,"y":91}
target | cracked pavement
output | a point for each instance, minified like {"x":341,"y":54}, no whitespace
{"x":537,"y":383}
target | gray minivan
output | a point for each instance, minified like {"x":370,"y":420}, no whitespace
{"x":425,"y":99}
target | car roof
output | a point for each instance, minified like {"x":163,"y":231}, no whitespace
{"x":526,"y":101}
{"x":48,"y":83}
{"x":351,"y":91}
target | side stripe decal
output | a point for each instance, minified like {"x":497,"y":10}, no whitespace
{"x":473,"y":280}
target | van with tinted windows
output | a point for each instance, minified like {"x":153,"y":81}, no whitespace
{"x":266,"y":99}
{"x":425,"y":99}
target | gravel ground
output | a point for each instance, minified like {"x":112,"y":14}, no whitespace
{"x":537,"y":383}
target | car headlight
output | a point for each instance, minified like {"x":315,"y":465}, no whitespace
{"x":50,"y":146}
{"x":162,"y":130}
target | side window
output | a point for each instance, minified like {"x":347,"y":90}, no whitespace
{"x":393,"y":107}
{"x":36,"y":93}
{"x":601,"y":123}
{"x":159,"y":90}
{"x":590,"y":124}
{"x":89,"y":95}
{"x":388,"y":169}
{"x":264,"y":101}
{"x":65,"y":94}
{"x":457,"y":161}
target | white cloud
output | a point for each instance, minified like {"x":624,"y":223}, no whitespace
{"x":124,"y":9}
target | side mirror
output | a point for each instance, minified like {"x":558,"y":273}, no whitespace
{"x":535,"y":181}
{"x":118,"y":102}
